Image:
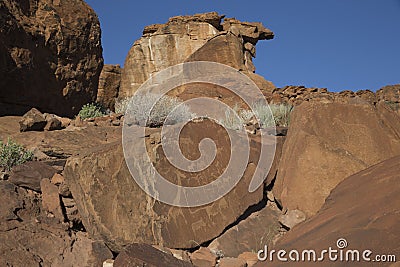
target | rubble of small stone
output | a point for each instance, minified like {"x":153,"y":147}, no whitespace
{"x":334,"y":172}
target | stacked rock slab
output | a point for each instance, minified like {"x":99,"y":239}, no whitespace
{"x":50,"y":56}
{"x":193,"y":38}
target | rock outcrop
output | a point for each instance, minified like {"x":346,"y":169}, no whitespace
{"x":363,"y":209}
{"x":146,"y":255}
{"x":129,"y":215}
{"x":260,"y":227}
{"x":109,"y":83}
{"x":32,"y":237}
{"x":50,"y":56}
{"x":193,"y":38}
{"x":328,"y":142}
{"x":295,"y":95}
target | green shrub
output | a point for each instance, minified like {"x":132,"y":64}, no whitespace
{"x":141,"y":104}
{"x":267,"y":116}
{"x":12,"y":154}
{"x":91,"y":110}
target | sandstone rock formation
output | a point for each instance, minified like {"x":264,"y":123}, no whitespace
{"x":328,"y":142}
{"x":259,"y":228}
{"x":60,"y":144}
{"x":363,"y":209}
{"x":295,"y":95}
{"x":193,"y":38}
{"x":50,"y":56}
{"x":30,"y":237}
{"x":33,"y":120}
{"x":109,"y":83}
{"x":146,"y":255}
{"x":30,"y":174}
{"x":130,"y":215}
{"x":390,"y":95}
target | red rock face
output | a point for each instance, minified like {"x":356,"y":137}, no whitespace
{"x":363,"y":209}
{"x":109,"y":82}
{"x":328,"y":142}
{"x":50,"y":56}
{"x":115,"y":208}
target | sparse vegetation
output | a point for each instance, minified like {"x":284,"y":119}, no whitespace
{"x":166,"y":106}
{"x":121,"y":105}
{"x":267,"y":116}
{"x":91,"y":110}
{"x":13,"y":154}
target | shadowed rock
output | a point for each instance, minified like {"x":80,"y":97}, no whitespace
{"x":50,"y":56}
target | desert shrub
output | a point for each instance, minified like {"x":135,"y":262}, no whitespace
{"x":141,"y":104}
{"x":267,"y":115}
{"x":281,"y":114}
{"x":121,"y":105}
{"x":12,"y":154}
{"x":91,"y":110}
{"x":233,"y":118}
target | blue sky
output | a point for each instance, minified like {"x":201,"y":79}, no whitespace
{"x":337,"y":44}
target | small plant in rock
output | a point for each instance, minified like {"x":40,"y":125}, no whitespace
{"x":152,"y":110}
{"x":91,"y":110}
{"x":13,"y":154}
{"x":234,"y":118}
{"x":267,"y":116}
{"x":121,"y":105}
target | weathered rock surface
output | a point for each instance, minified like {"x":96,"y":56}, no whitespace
{"x":260,"y":227}
{"x":59,"y":144}
{"x":204,"y":257}
{"x":193,"y":38}
{"x":50,"y":56}
{"x":390,"y":95}
{"x":146,"y":255}
{"x":232,"y":262}
{"x":109,"y":84}
{"x":363,"y":209}
{"x":101,"y":174}
{"x":295,"y":95}
{"x":30,"y":174}
{"x":31,"y":238}
{"x":291,"y":218}
{"x":328,"y":142}
{"x":33,"y":120}
{"x":51,"y":201}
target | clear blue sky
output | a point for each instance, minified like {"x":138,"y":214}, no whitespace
{"x":338,"y":44}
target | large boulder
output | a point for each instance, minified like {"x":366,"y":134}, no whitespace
{"x":363,"y":209}
{"x":193,"y":38}
{"x":50,"y":56}
{"x":260,"y":227}
{"x":115,"y":208}
{"x":328,"y":142}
